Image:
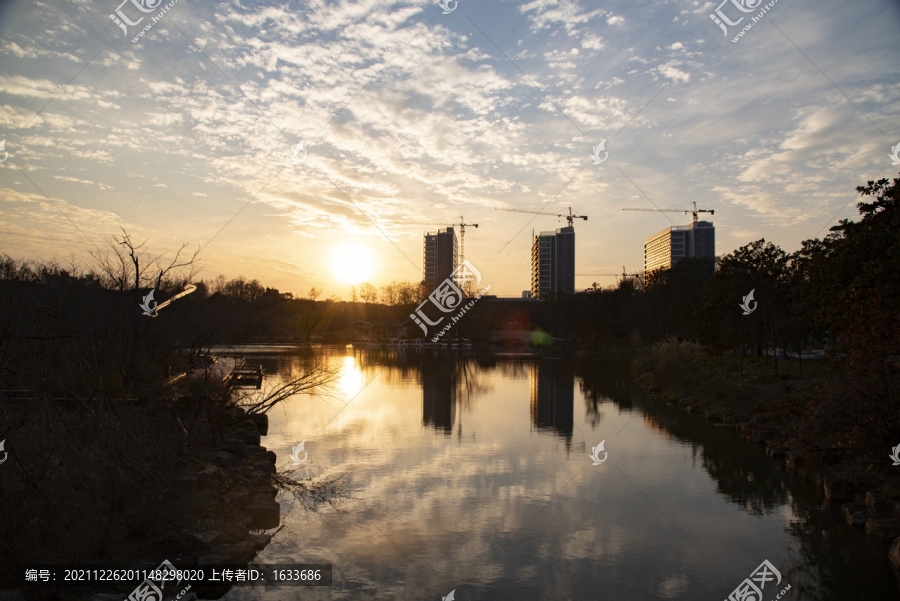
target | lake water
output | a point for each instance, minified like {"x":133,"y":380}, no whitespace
{"x":472,"y":474}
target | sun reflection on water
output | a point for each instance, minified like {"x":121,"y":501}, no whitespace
{"x":350,"y":380}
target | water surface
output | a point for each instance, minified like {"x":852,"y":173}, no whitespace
{"x":473,"y":474}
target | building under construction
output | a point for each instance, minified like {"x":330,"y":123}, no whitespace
{"x":553,"y":263}
{"x":664,"y":249}
{"x":439,"y":257}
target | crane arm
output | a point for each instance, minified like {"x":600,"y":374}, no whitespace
{"x":531,"y":212}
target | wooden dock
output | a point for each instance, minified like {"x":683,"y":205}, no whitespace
{"x":243,"y":376}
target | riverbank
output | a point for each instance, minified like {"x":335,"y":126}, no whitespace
{"x":773,"y":410}
{"x":211,"y":495}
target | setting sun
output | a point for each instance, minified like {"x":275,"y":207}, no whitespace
{"x":352,"y":263}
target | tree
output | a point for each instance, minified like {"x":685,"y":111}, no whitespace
{"x":409,"y":293}
{"x":131,"y":267}
{"x":390,"y":294}
{"x":311,"y":313}
{"x":368,"y":292}
{"x":766,"y":270}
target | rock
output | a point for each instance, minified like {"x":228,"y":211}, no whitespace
{"x":268,"y":491}
{"x":257,"y":475}
{"x":715,"y":416}
{"x":894,"y":554}
{"x":208,"y":477}
{"x":237,"y":553}
{"x":793,"y":460}
{"x":840,"y":488}
{"x":760,"y":434}
{"x":98,"y":597}
{"x":234,"y":445}
{"x":14,"y":594}
{"x":260,"y":540}
{"x":877,"y":504}
{"x":188,"y":596}
{"x":251,"y":438}
{"x":264,"y":466}
{"x":855,"y":514}
{"x":264,"y":514}
{"x":233,"y":414}
{"x":774,"y":451}
{"x":258,"y":452}
{"x":239,"y":498}
{"x":735,"y":418}
{"x":883,"y":529}
{"x":226,"y":459}
{"x":208,"y":539}
{"x":262,"y":423}
{"x":185,"y":483}
{"x":832,"y":456}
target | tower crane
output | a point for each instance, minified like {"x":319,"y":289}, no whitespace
{"x":462,"y":238}
{"x":462,"y":234}
{"x":685,"y":211}
{"x":623,"y":274}
{"x":570,"y":217}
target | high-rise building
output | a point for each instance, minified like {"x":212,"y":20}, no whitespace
{"x":553,"y":263}
{"x":695,"y":240}
{"x":439,"y":257}
{"x":553,"y":397}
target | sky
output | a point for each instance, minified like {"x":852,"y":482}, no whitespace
{"x":413,"y":115}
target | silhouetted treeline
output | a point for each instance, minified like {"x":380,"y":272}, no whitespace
{"x":74,"y":330}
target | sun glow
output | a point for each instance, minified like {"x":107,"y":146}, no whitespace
{"x":352,"y":263}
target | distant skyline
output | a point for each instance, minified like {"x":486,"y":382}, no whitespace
{"x":411,"y":117}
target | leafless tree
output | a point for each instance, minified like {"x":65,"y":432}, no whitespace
{"x":317,"y":378}
{"x":129,"y":266}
